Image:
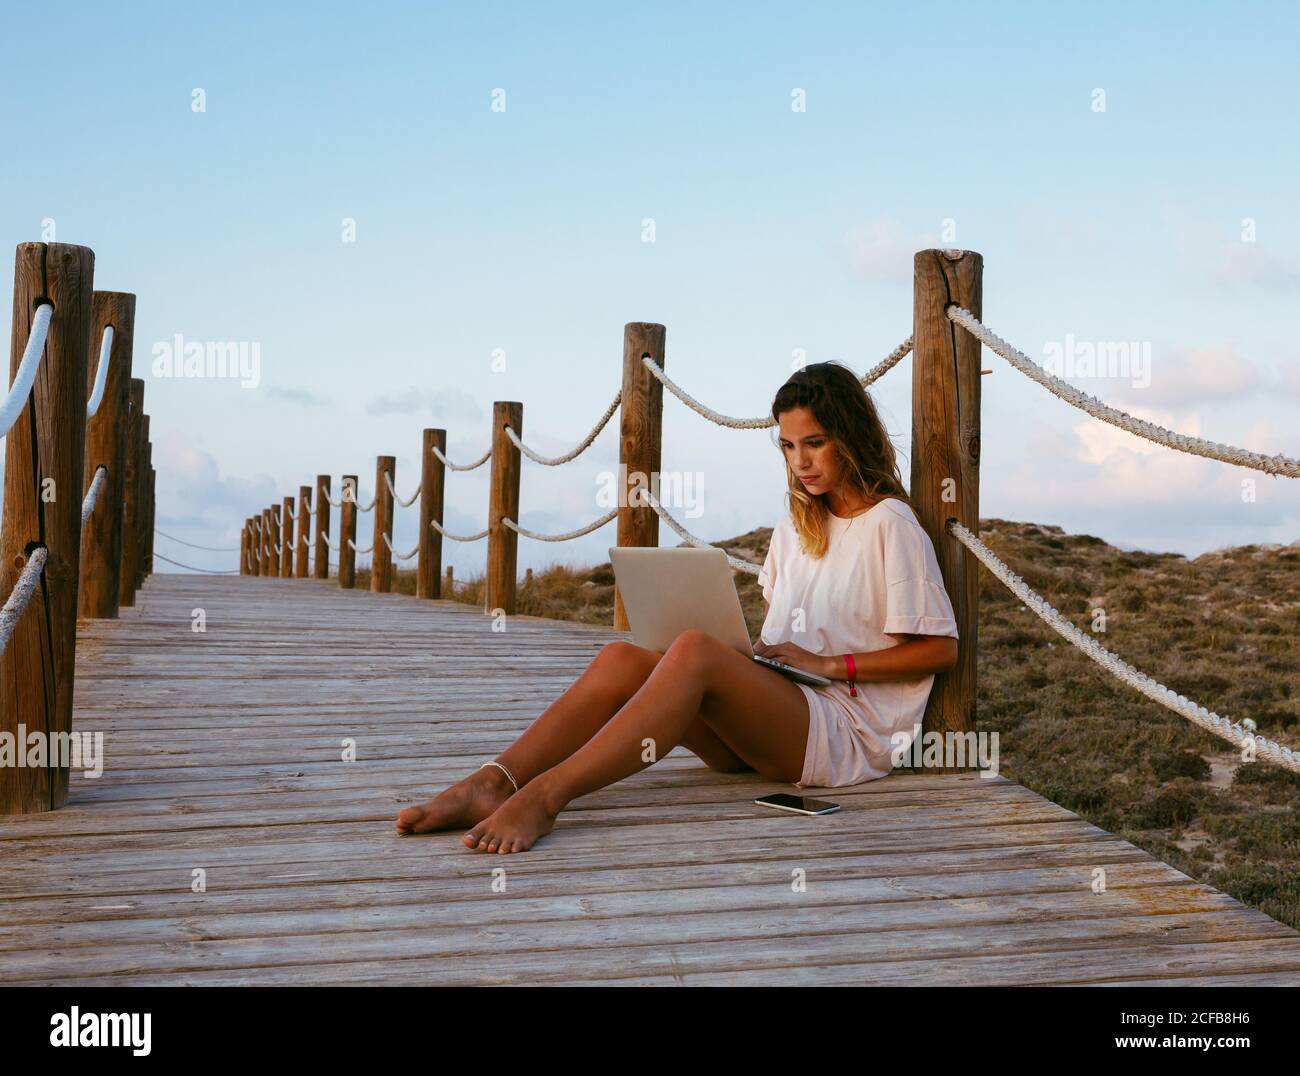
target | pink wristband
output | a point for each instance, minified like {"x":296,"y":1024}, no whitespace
{"x":852,"y":668}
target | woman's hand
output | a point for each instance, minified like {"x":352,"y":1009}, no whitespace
{"x":796,"y":656}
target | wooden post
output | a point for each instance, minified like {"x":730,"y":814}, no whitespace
{"x":153,"y":505}
{"x":428,"y":572}
{"x":287,"y":539}
{"x":131,"y":506}
{"x":640,"y":422}
{"x":348,"y":533}
{"x":44,"y":468}
{"x":255,"y":545}
{"x":301,"y":547}
{"x":503,"y":502}
{"x":275,"y":540}
{"x":267,"y":567}
{"x":142,"y":501}
{"x":322,"y":566}
{"x":381,"y":559}
{"x":946,"y":454}
{"x":106,"y":431}
{"x":451,"y":582}
{"x":243,"y":549}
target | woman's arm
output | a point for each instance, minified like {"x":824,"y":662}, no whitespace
{"x":918,"y":656}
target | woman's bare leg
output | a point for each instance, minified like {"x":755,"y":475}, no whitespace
{"x":759,"y":714}
{"x":612,"y":678}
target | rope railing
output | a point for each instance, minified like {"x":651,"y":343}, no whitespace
{"x":193,"y":545}
{"x":687,"y":536}
{"x":92,"y":494}
{"x":353,"y":546}
{"x":21,"y":594}
{"x":16,"y":399}
{"x":199,"y":571}
{"x":763,"y":421}
{"x":561,"y":537}
{"x":555,"y":461}
{"x":101,"y":372}
{"x":393,"y":490}
{"x":462,"y":466}
{"x":1196,"y":446}
{"x":400,"y":556}
{"x":1117,"y":666}
{"x":458,"y":537}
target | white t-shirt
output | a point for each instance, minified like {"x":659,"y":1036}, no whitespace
{"x":879,"y":576}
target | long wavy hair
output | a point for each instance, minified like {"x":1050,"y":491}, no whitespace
{"x":868,"y":464}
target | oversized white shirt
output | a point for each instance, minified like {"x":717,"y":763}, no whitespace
{"x":879,"y":577}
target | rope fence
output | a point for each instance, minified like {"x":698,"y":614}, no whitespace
{"x":16,"y":399}
{"x":946,"y":368}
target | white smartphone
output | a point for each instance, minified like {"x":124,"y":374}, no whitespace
{"x":783,"y":801}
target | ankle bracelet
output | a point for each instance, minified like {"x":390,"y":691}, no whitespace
{"x":503,"y":770}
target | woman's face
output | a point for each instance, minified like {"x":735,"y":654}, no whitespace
{"x":808,"y":451}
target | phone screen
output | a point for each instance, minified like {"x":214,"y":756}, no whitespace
{"x":798,"y":803}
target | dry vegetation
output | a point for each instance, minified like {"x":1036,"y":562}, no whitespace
{"x":1221,"y":629}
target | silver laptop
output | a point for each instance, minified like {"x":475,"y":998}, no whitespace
{"x":668,"y":591}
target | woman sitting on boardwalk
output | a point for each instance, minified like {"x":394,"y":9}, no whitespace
{"x":849,"y":572}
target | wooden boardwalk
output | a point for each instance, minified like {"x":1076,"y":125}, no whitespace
{"x":224,"y":754}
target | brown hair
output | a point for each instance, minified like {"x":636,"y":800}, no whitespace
{"x":841,"y":405}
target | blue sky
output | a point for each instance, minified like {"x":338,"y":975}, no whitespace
{"x":521,"y":231}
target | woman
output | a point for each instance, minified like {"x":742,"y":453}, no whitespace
{"x":850,"y":574}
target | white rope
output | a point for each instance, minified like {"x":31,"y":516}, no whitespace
{"x":687,"y":536}
{"x":22,"y":594}
{"x":101,"y":373}
{"x":1196,"y":446}
{"x":763,"y":421}
{"x":353,"y":546}
{"x":344,"y":499}
{"x":561,"y":537}
{"x":555,"y":461}
{"x":92,"y":494}
{"x":330,"y":500}
{"x":391,"y":489}
{"x":16,"y":400}
{"x":457,"y":537}
{"x":400,"y":556}
{"x":368,"y":507}
{"x":462,"y":466}
{"x":1152,"y":689}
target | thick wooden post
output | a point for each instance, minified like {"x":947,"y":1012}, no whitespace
{"x":44,"y":467}
{"x":503,"y":503}
{"x":106,"y":431}
{"x":131,"y":506}
{"x":301,"y":547}
{"x":946,"y":455}
{"x":287,"y":539}
{"x":322,"y":565}
{"x":255,"y":545}
{"x":153,"y":505}
{"x":428,"y":572}
{"x":142,"y":502}
{"x":275,"y":540}
{"x":243,"y":549}
{"x":268,"y":568}
{"x":381,"y":560}
{"x":640,"y":421}
{"x":348,"y":533}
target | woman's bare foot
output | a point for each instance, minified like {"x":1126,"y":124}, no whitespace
{"x":516,"y":825}
{"x":463,"y":804}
